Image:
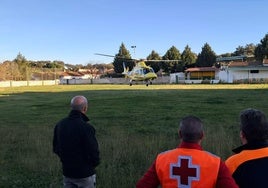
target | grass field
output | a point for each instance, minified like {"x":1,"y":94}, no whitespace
{"x":133,"y":124}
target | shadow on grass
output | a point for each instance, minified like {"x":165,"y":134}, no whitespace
{"x":132,"y":126}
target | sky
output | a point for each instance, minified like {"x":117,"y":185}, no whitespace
{"x":74,"y":30}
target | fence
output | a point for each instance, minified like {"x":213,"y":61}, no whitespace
{"x":28,"y":83}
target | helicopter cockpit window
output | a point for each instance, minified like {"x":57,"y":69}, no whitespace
{"x":151,"y":70}
{"x":137,"y":72}
{"x":145,"y":71}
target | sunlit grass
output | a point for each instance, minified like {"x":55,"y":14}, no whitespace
{"x":133,"y":124}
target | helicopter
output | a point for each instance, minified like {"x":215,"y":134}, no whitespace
{"x":140,"y":72}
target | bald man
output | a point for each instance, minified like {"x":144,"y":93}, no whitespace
{"x":75,"y":143}
{"x":188,"y":165}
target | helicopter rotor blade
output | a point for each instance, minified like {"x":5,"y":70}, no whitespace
{"x":163,"y":60}
{"x":104,"y":55}
{"x":129,"y":59}
{"x":151,"y":60}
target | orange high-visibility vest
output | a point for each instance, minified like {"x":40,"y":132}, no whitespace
{"x":187,"y":168}
{"x":236,"y":160}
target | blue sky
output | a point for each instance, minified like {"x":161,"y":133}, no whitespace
{"x":73,"y":30}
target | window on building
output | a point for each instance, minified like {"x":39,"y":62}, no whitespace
{"x":254,"y":71}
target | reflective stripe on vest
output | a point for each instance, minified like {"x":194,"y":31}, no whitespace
{"x":187,"y":168}
{"x":236,"y":160}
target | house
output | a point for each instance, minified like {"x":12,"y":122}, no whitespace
{"x":71,"y":77}
{"x":232,"y":72}
{"x":202,"y":75}
{"x":245,"y":72}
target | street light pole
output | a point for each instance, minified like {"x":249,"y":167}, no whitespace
{"x":134,"y":47}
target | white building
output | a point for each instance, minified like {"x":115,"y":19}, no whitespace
{"x":177,"y":78}
{"x":245,"y":72}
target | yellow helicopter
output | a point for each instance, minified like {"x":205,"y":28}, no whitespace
{"x":140,"y":72}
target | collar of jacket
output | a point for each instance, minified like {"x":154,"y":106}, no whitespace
{"x":251,"y":146}
{"x":190,"y":145}
{"x":76,"y":113}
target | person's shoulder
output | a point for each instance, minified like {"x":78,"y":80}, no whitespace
{"x":167,"y":152}
{"x":88,"y":127}
{"x":233,"y":158}
{"x":211,"y":154}
{"x":61,"y":121}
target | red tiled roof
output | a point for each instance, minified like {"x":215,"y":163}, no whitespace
{"x":244,"y":64}
{"x":238,"y":64}
{"x":71,"y":74}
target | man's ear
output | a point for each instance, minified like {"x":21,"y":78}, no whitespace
{"x":84,"y":109}
{"x":202,"y":135}
{"x":243,"y":137}
{"x":241,"y":134}
{"x":180,"y":135}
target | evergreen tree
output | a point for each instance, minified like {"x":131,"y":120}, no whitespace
{"x":261,"y":51}
{"x":188,"y":57}
{"x":156,"y":65}
{"x":172,"y":66}
{"x":154,"y":56}
{"x":207,"y":57}
{"x":123,"y":56}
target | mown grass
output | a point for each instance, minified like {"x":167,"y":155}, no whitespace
{"x":133,"y":124}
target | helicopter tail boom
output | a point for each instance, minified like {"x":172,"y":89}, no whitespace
{"x":125,"y":72}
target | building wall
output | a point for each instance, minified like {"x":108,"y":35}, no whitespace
{"x":177,"y":78}
{"x":247,"y":77}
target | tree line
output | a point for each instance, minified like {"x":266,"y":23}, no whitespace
{"x":186,"y":59}
{"x":22,"y":69}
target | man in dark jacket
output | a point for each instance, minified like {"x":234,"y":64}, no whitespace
{"x":75,"y":143}
{"x":250,"y":163}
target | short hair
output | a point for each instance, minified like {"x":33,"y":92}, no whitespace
{"x":78,"y":103}
{"x":191,"y":128}
{"x":254,"y":125}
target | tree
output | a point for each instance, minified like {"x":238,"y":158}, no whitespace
{"x":261,"y":51}
{"x":156,"y":65}
{"x":247,"y":50}
{"x":123,"y":56}
{"x":9,"y":70}
{"x":226,"y":55}
{"x":23,"y":66}
{"x":188,"y":57}
{"x":239,"y":51}
{"x":207,"y":57}
{"x":153,"y":56}
{"x":172,"y":54}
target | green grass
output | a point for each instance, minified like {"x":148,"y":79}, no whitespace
{"x":133,"y":124}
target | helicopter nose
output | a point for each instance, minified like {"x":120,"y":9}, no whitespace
{"x":152,"y":75}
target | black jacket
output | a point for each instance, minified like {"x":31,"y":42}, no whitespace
{"x":252,"y":172}
{"x":75,"y":143}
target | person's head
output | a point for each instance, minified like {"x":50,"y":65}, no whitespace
{"x":191,"y":129}
{"x":79,"y":103}
{"x":253,"y":126}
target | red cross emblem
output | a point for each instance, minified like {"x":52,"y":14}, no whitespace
{"x":184,"y":171}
